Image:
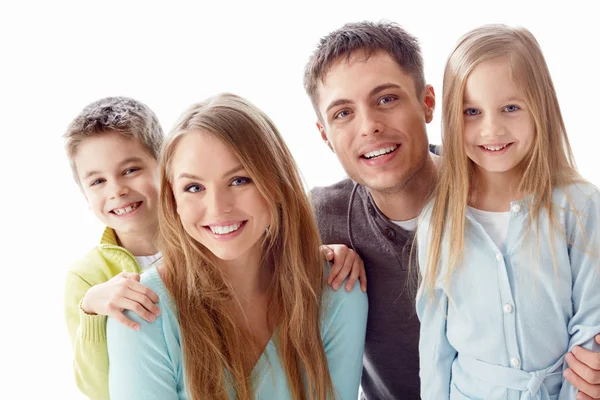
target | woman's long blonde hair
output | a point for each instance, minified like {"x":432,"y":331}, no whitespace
{"x":213,"y":343}
{"x":548,"y":165}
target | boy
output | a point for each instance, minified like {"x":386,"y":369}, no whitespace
{"x":113,"y":147}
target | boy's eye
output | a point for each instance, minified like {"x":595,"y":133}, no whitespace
{"x":193,"y":188}
{"x":130,"y":170}
{"x":240,"y":181}
{"x":97,"y":182}
{"x":511,"y":108}
{"x":341,"y":114}
{"x":471,"y":111}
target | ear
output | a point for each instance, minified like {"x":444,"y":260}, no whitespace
{"x":428,"y":102}
{"x":321,"y":129}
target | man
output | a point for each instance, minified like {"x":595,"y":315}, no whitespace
{"x":367,"y":86}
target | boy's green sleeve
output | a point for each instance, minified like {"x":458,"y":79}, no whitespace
{"x":88,"y":339}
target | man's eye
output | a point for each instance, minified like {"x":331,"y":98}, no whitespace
{"x":193,"y":188}
{"x":387,"y":100}
{"x":471,"y":111}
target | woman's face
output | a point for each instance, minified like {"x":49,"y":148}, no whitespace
{"x":218,"y":203}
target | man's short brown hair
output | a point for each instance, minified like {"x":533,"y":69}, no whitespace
{"x":370,"y":37}
{"x":131,"y":118}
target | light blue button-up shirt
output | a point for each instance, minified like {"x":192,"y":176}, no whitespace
{"x":501,"y":327}
{"x":149,"y":365}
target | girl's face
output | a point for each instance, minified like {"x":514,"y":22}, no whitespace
{"x":499,"y":129}
{"x":217,"y":201}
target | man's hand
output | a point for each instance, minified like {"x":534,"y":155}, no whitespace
{"x":345,"y":262}
{"x":584,"y":372}
{"x":122,"y":292}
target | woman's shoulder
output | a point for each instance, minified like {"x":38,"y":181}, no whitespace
{"x":343,"y":308}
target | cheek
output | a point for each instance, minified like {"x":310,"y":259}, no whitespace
{"x":188,"y":211}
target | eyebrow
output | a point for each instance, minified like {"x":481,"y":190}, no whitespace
{"x":124,"y":162}
{"x":232,"y":171}
{"x":376,"y":90}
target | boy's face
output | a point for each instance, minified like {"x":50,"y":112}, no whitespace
{"x":119,"y":179}
{"x":374,"y":120}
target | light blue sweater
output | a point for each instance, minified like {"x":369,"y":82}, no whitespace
{"x":148,"y":364}
{"x":502,"y":327}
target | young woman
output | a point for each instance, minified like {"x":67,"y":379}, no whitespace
{"x":245,"y":311}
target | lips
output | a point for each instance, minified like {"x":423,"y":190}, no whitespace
{"x":126,"y":209}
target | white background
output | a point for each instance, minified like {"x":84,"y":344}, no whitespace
{"x":56,"y":57}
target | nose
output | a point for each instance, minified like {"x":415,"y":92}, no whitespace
{"x":491,"y":127}
{"x":371,"y":124}
{"x":118,"y":189}
{"x":219,"y":201}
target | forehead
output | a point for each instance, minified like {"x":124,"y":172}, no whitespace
{"x":492,"y":79}
{"x":202,"y":153}
{"x":106,"y":151}
{"x":357,"y":75}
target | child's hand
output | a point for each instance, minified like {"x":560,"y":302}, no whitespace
{"x":123,"y":292}
{"x":345,"y":262}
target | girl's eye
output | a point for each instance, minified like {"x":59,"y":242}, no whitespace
{"x":341,"y":114}
{"x":130,"y":171}
{"x":471,"y":111}
{"x":240,"y":181}
{"x":97,"y":182}
{"x":387,"y":100}
{"x":193,"y":188}
{"x":511,"y":108}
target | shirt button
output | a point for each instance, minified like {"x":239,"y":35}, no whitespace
{"x":515,"y":362}
{"x":516,"y":208}
{"x":499,"y":257}
{"x":371,"y":210}
{"x":508,"y":308}
{"x":389,"y":232}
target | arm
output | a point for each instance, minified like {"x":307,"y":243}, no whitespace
{"x":144,"y":364}
{"x":344,"y":340}
{"x":585,"y":323}
{"x":88,"y":339}
{"x":436,"y":354}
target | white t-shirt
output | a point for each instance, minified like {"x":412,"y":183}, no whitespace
{"x":148,"y":261}
{"x":409,"y":225}
{"x":495,"y":224}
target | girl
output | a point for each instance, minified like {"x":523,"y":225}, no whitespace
{"x":508,"y":246}
{"x":244,"y":310}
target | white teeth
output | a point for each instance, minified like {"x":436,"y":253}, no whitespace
{"x":495,"y":148}
{"x":380,"y":152}
{"x":223,"y":230}
{"x":125,"y":210}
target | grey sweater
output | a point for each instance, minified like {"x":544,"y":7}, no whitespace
{"x":347,"y":214}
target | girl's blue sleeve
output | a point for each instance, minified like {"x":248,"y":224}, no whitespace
{"x":436,"y":354}
{"x":584,"y":252}
{"x":344,"y":339}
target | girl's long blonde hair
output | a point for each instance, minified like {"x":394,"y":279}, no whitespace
{"x":548,"y":165}
{"x":213,"y":342}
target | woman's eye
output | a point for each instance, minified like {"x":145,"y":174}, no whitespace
{"x":471,"y":111}
{"x":193,"y":188}
{"x":240,"y":181}
{"x":511,"y":108}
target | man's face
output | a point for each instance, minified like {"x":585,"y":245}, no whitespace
{"x":374,"y":120}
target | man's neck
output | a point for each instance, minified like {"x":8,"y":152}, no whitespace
{"x":139,"y":243}
{"x":407,"y":202}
